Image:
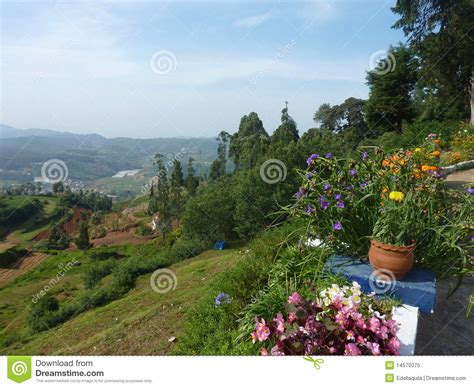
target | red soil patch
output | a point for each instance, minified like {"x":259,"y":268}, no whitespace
{"x":120,"y":238}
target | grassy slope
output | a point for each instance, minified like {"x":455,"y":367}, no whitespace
{"x":28,"y":229}
{"x":140,"y":323}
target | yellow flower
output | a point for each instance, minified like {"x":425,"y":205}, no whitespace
{"x":418,"y":150}
{"x":396,"y":196}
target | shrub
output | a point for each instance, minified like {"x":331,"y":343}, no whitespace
{"x":94,"y":274}
{"x":143,"y":230}
{"x":11,"y":255}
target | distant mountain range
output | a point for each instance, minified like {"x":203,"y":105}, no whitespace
{"x":90,"y":156}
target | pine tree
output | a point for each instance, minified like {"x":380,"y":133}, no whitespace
{"x":82,"y":240}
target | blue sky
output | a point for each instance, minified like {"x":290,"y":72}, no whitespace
{"x":183,"y":68}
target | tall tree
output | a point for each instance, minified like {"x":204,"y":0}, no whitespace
{"x":287,"y":131}
{"x":192,"y":181}
{"x":248,"y":145}
{"x":160,"y":202}
{"x":177,"y":179}
{"x":392,"y":84}
{"x":442,"y":33}
{"x":82,"y":240}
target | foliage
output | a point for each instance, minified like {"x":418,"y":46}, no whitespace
{"x":208,"y":216}
{"x":435,"y":28}
{"x":57,"y":238}
{"x":339,"y":198}
{"x":212,"y":329}
{"x":391,"y":88}
{"x":339,"y":321}
{"x":11,"y":255}
{"x":82,"y":241}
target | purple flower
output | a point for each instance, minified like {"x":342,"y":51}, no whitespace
{"x":309,"y":175}
{"x":222,"y":298}
{"x":350,"y":187}
{"x":322,"y":201}
{"x":337,"y":197}
{"x":301,"y":193}
{"x":353,"y":172}
{"x":309,"y":209}
{"x":364,"y":184}
{"x":312,"y":158}
{"x":329,"y":155}
{"x":364,"y":156}
{"x":340,"y":204}
{"x":470,"y":190}
{"x":337,"y":226}
{"x":326,"y":186}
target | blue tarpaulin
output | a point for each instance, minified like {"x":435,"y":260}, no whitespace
{"x":417,"y":288}
{"x":220,"y":245}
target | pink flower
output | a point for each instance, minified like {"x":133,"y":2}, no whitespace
{"x":382,"y":332}
{"x":277,"y":351}
{"x":295,"y":298}
{"x":280,"y":324}
{"x":254,"y":336}
{"x":374,"y":324}
{"x":360,"y":339}
{"x":341,"y":318}
{"x":393,"y":326}
{"x":291,"y":317}
{"x":332,"y":350}
{"x":352,"y":350}
{"x":350,"y":335}
{"x":264,"y":352}
{"x":262,"y":331}
{"x":393,"y":345}
{"x":374,"y":347}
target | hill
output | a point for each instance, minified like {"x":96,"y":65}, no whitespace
{"x":90,"y":156}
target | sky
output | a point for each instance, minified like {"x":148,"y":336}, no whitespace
{"x":183,"y":68}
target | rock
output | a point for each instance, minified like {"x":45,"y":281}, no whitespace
{"x":171,"y":339}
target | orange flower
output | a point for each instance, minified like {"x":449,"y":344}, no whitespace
{"x":436,"y":154}
{"x":456,"y":155}
{"x":437,"y":141}
{"x":385,"y":189}
{"x":426,"y":168}
{"x":386,"y":163}
{"x":395,"y":158}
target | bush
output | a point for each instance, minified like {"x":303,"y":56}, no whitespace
{"x":94,"y":274}
{"x":143,"y":230}
{"x":11,"y":255}
{"x":43,"y":314}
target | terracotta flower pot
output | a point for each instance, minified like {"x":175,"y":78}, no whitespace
{"x":386,"y":257}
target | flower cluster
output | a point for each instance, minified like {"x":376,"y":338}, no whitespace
{"x":222,"y":298}
{"x":334,"y":324}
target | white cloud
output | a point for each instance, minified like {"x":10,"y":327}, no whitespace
{"x":252,"y":21}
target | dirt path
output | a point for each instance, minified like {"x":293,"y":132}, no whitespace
{"x":457,"y":179}
{"x":23,"y":265}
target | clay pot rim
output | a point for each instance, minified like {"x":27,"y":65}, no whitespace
{"x":393,"y":248}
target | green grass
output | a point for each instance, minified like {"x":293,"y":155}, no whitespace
{"x":41,"y":220}
{"x":139,"y":323}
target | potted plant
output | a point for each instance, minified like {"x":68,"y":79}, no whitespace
{"x":392,"y":245}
